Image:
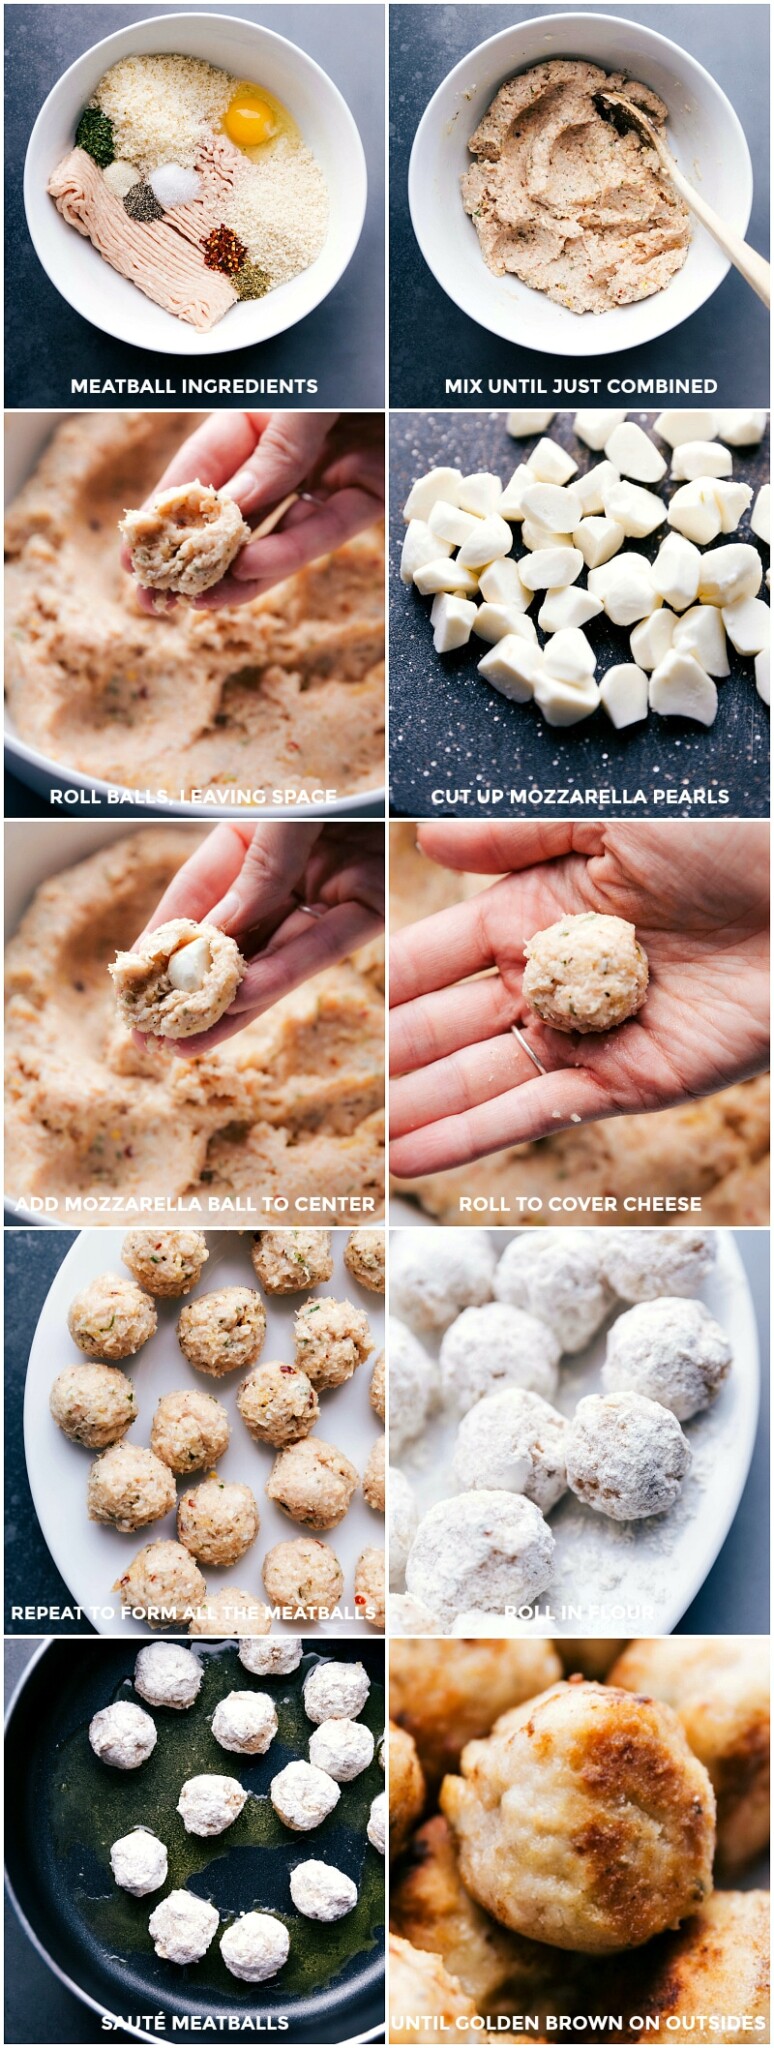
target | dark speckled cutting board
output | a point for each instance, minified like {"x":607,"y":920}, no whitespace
{"x":454,"y":740}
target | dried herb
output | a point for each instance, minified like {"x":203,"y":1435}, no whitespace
{"x":94,"y":133}
{"x":251,"y":282}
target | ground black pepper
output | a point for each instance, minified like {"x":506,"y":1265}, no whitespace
{"x":141,"y":204}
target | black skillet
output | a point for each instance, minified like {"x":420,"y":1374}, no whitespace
{"x":54,"y":1884}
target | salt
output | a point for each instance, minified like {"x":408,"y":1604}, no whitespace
{"x":174,"y":185}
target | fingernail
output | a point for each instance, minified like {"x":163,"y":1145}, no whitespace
{"x":240,"y":484}
{"x":229,"y":908}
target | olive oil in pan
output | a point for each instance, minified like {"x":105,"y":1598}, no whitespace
{"x":248,"y":1867}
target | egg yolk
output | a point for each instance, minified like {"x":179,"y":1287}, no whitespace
{"x":250,"y":120}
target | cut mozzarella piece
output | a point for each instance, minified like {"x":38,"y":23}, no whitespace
{"x":513,"y":667}
{"x":652,"y":638}
{"x":590,"y":489}
{"x":552,"y":505}
{"x":762,"y":681}
{"x":500,"y":583}
{"x":675,"y":571}
{"x":624,"y":694}
{"x":565,"y":703}
{"x":760,"y":516}
{"x":450,"y":523}
{"x":626,"y":588}
{"x":680,"y":688}
{"x":639,"y":512}
{"x":551,"y":464}
{"x":535,"y":535}
{"x":595,"y":428}
{"x":598,"y":539}
{"x":569,"y":656}
{"x":730,"y":572}
{"x":509,"y":504}
{"x":492,"y":538}
{"x":732,"y":502}
{"x":424,"y":494}
{"x":551,"y":568}
{"x":452,"y":622}
{"x":700,"y":632}
{"x":634,"y":454}
{"x":521,"y":424}
{"x":445,"y":575}
{"x":695,"y":512}
{"x":677,"y":427}
{"x":480,"y":493}
{"x":748,"y":624}
{"x":420,"y":546}
{"x":741,"y":429}
{"x":494,"y":621}
{"x":567,"y":607}
{"x":701,"y":458}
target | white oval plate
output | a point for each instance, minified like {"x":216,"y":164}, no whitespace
{"x":633,"y":1578}
{"x":89,"y":1555}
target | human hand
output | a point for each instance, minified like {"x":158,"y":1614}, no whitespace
{"x":250,"y":880}
{"x":698,"y":895}
{"x":258,"y":458}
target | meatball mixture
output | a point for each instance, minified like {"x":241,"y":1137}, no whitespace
{"x":719,"y":1689}
{"x":423,"y":1992}
{"x":377,"y":1392}
{"x":487,"y":1550}
{"x":433,"y":1276}
{"x":402,"y":1525}
{"x":185,"y":540}
{"x":221,"y":1332}
{"x":303,"y":1796}
{"x":556,"y":1275}
{"x":139,"y":1863}
{"x":447,"y":1693}
{"x":321,"y":1892}
{"x":166,"y":1675}
{"x":373,"y":1477}
{"x":111,"y":1318}
{"x":123,"y":1735}
{"x":162,"y":1585}
{"x":272,"y":1660}
{"x":494,"y":1347}
{"x":182,"y":1927}
{"x":629,"y":1812}
{"x":370,"y":1595}
{"x":178,"y":980}
{"x":406,"y":1788}
{"x":278,"y":1403}
{"x":209,"y":1804}
{"x":626,"y":1457}
{"x":670,"y":1350}
{"x":585,"y":973}
{"x":189,"y":1430}
{"x":232,"y":1612}
{"x":514,"y":1442}
{"x":364,"y":1258}
{"x":129,"y":1487}
{"x":245,"y":1722}
{"x":412,"y":1386}
{"x":332,"y":1338}
{"x":290,"y":1261}
{"x":342,"y":1748}
{"x":167,"y":1262}
{"x":303,"y":1579}
{"x":256,"y":1947}
{"x":218,"y":1521}
{"x":335,"y":1691}
{"x":313,"y":1483}
{"x":641,"y":1264}
{"x":93,"y":1404}
{"x":376,"y":1829}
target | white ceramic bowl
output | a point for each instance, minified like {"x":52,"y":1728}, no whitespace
{"x":704,"y":134}
{"x":249,"y":51}
{"x":26,"y":434}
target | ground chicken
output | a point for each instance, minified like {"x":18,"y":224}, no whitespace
{"x":190,"y":1429}
{"x":167,"y":1262}
{"x":129,"y":1487}
{"x":278,"y":1403}
{"x":185,"y":539}
{"x":162,"y":1585}
{"x":373,"y":1476}
{"x":218,"y":1521}
{"x":93,"y":1404}
{"x":332,"y":1338}
{"x":377,"y":1393}
{"x":585,"y":973}
{"x":369,"y":1587}
{"x":221,"y":1332}
{"x":178,"y":979}
{"x":313,"y":1483}
{"x":303,"y":1579}
{"x":290,"y":1261}
{"x":231,"y":1612}
{"x":364,"y":1258}
{"x":111,"y":1318}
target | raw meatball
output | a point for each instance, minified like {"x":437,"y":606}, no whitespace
{"x":630,"y":1814}
{"x":177,"y":980}
{"x":447,"y":1693}
{"x":493,"y":1347}
{"x":335,"y":1691}
{"x":376,"y":1829}
{"x":369,"y":1587}
{"x":672,"y":1351}
{"x":232,"y":1612}
{"x":413,"y":1377}
{"x":364,"y":1258}
{"x":641,"y":1264}
{"x":222,"y":1332}
{"x":435,"y":1273}
{"x":209,"y":1804}
{"x":272,"y":1660}
{"x":218,"y":1521}
{"x":373,"y":1477}
{"x":402,"y":1525}
{"x":129,"y":1487}
{"x":409,"y":1618}
{"x":182,"y":1926}
{"x":377,"y":1390}
{"x":111,"y":1318}
{"x":246,"y":1722}
{"x":278,"y":1403}
{"x":167,"y":1262}
{"x":557,"y":1276}
{"x":313,"y":1483}
{"x":303,"y":1796}
{"x":491,"y":1550}
{"x":167,"y":1675}
{"x":289,"y":1261}
{"x":342,"y":1748}
{"x":719,"y":1689}
{"x":303,"y":1579}
{"x":190,"y":1429}
{"x":256,"y":1947}
{"x":321,"y":1892}
{"x":332,"y":1338}
{"x":185,"y":540}
{"x":425,"y":2001}
{"x":162,"y":1585}
{"x":123,"y":1735}
{"x":406,"y":1788}
{"x":139,"y":1863}
{"x":515,"y":1443}
{"x":626,"y":1457}
{"x":586,"y":973}
{"x":93,"y":1404}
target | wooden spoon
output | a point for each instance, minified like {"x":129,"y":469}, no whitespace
{"x":752,"y":267}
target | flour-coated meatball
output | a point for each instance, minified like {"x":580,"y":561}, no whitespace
{"x":413,"y":1377}
{"x":93,"y":1404}
{"x":626,"y":1456}
{"x":245,"y":1722}
{"x":408,"y":1617}
{"x":556,"y":1275}
{"x":290,"y":1261}
{"x":303,"y":1796}
{"x":373,"y":1477}
{"x":209,"y":1803}
{"x":332,"y":1339}
{"x":436,"y":1273}
{"x":313,"y":1483}
{"x":274,"y":1659}
{"x":342,"y":1748}
{"x":641,"y":1264}
{"x":670,"y":1350}
{"x":402,"y":1525}
{"x":488,"y":1550}
{"x":585,"y":973}
{"x":376,"y":1828}
{"x":123,"y":1735}
{"x":182,"y":1927}
{"x":255,"y":1947}
{"x":514,"y":1442}
{"x":303,"y":1579}
{"x":364,"y":1258}
{"x":406,"y":1787}
{"x":277,"y":1403}
{"x":167,"y":1675}
{"x":190,"y":1429}
{"x":446,"y":1693}
{"x":370,"y":1598}
{"x":321,"y":1892}
{"x":111,"y":1318}
{"x":222,"y":1332}
{"x":162,"y":1585}
{"x":610,"y":1783}
{"x":139,"y":1862}
{"x":423,"y":1993}
{"x":335,"y":1691}
{"x":493,"y":1347}
{"x":218,"y":1520}
{"x":231,"y":1612}
{"x":719,"y":1688}
{"x":167,"y":1262}
{"x":129,"y":1487}
{"x":377,"y":1392}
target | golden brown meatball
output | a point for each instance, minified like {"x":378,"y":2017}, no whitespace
{"x":593,"y":1655}
{"x":406,"y":1787}
{"x":420,"y":1989}
{"x":430,"y":1907}
{"x":584,"y":1820}
{"x":719,"y":1688}
{"x":447,"y":1692}
{"x":717,"y":1962}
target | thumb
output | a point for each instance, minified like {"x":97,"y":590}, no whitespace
{"x":282,"y":459}
{"x":273,"y":866}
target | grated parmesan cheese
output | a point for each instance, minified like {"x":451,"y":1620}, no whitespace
{"x":160,"y":106}
{"x":279,"y":208}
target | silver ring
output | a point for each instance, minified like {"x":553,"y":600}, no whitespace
{"x":308,"y":911}
{"x":528,"y":1050}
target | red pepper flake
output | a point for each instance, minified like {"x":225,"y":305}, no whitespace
{"x":223,"y":250}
